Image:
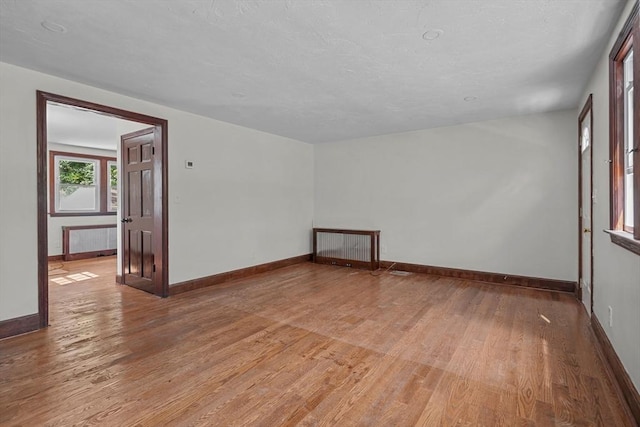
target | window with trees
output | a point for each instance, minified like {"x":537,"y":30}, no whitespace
{"x":112,"y":197}
{"x":625,"y":156}
{"x":82,"y":184}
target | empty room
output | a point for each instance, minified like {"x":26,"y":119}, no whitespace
{"x":319,"y":212}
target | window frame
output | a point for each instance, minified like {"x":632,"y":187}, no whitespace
{"x":622,"y":235}
{"x":103,"y":183}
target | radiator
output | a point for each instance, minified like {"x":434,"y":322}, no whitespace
{"x":349,"y":248}
{"x":87,"y":241}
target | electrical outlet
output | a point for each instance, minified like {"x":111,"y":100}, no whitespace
{"x":610,"y":317}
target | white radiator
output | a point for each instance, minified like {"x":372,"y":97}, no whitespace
{"x":86,"y":241}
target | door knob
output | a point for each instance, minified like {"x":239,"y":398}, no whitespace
{"x":586,"y":230}
{"x":126,"y":220}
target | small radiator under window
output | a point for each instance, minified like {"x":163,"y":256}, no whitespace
{"x":349,"y":248}
{"x":87,"y":241}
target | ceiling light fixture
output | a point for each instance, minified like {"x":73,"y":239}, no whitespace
{"x":470,"y":98}
{"x":432,"y":34}
{"x":53,"y":27}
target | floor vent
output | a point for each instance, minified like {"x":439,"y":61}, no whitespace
{"x":401,"y":273}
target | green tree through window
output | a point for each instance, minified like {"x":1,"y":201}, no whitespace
{"x":114,"y":175}
{"x":113,"y":186}
{"x":75,"y":174}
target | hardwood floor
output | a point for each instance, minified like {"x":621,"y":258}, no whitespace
{"x":309,"y":345}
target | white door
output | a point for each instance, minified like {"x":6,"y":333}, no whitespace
{"x":586,"y":248}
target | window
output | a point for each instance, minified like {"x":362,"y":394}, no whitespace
{"x":112,"y":197}
{"x":625,"y":158}
{"x":82,"y":184}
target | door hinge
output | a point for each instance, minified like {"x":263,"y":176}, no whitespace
{"x":153,"y":150}
{"x":154,"y":268}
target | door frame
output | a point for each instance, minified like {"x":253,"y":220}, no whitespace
{"x":160,"y":218}
{"x":587,"y":109}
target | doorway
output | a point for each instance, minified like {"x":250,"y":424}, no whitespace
{"x":157,"y":222}
{"x":585,"y":200}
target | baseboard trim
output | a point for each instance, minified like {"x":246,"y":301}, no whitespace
{"x":52,"y":258}
{"x":19,"y":325}
{"x":119,"y":279}
{"x":220,"y":278}
{"x":482,"y":276}
{"x":620,"y":375}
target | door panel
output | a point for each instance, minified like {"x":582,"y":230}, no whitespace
{"x":133,"y":155}
{"x":146,"y":186}
{"x":134,"y":254}
{"x":147,"y":149}
{"x":134,"y":194}
{"x":147,"y":255}
{"x":138,"y":210}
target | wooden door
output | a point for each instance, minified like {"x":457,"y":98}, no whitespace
{"x":139,"y":236}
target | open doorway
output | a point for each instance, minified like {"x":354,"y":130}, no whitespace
{"x":84,"y":191}
{"x":82,"y":195}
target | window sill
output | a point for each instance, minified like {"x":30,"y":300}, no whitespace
{"x":624,"y":239}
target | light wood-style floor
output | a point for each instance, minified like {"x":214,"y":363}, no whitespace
{"x":307,"y":345}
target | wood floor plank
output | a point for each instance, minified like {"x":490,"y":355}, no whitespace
{"x":308,"y":345}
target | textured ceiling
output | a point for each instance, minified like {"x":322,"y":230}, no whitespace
{"x":321,"y":70}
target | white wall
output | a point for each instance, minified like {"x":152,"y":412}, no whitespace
{"x":56,"y":223}
{"x":248,"y":201}
{"x":495,"y":196}
{"x":616,"y":281}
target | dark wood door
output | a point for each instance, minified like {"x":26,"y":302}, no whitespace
{"x":138,"y":210}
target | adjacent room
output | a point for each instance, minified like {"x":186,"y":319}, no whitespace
{"x":83,"y":190}
{"x":319,"y":212}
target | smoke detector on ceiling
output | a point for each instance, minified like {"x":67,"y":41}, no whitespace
{"x":432,"y":34}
